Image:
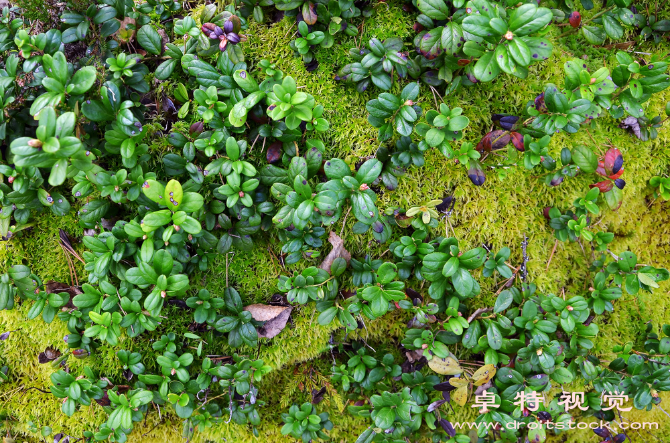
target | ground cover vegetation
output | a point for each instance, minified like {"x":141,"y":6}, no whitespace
{"x":333,"y":220}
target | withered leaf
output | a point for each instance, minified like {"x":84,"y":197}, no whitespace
{"x":49,"y":354}
{"x":448,"y":427}
{"x":338,"y":251}
{"x":274,"y":153}
{"x":413,"y":356}
{"x":56,"y":287}
{"x":275,"y":318}
{"x":506,"y":122}
{"x":444,"y":386}
{"x":403,"y":220}
{"x":499,"y":139}
{"x":126,"y":31}
{"x":445,"y":366}
{"x":480,"y":389}
{"x":436,"y":404}
{"x":447,"y":204}
{"x":104,"y":401}
{"x":415,"y":296}
{"x":317,"y":396}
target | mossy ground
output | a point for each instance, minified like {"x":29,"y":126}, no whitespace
{"x":498,"y":213}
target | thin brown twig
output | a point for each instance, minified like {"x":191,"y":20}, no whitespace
{"x":552,"y":254}
{"x":65,"y":244}
{"x":150,"y":430}
{"x":477,"y":313}
{"x":344,"y":221}
{"x":38,"y":389}
{"x":69,"y":265}
{"x":254,"y":143}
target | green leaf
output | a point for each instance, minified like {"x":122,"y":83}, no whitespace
{"x":386,"y":273}
{"x":635,"y":89}
{"x":486,"y":68}
{"x":435,"y":9}
{"x":477,"y":25}
{"x":96,"y":111}
{"x":191,"y":225}
{"x":336,"y":168}
{"x":82,"y":80}
{"x":163,"y":262}
{"x":504,"y":300}
{"x":429,"y":44}
{"x":614,"y":198}
{"x":245,"y":80}
{"x":173,"y":195}
{"x":631,"y":105}
{"x":369,"y":171}
{"x":104,"y":14}
{"x":384,"y":418}
{"x":403,"y":126}
{"x":56,"y":66}
{"x":537,"y":435}
{"x":503,"y":60}
{"x":594,"y":34}
{"x":364,"y":208}
{"x":327,"y":316}
{"x":540,"y":48}
{"x":377,"y":109}
{"x":473,"y":259}
{"x":165,"y":69}
{"x":528,"y":19}
{"x":458,"y":123}
{"x":664,"y":345}
{"x":583,"y":157}
{"x":382,"y":80}
{"x":519,"y":51}
{"x":473,"y":49}
{"x":58,"y":172}
{"x":149,"y":39}
{"x":562,"y":376}
{"x":451,"y":38}
{"x":463,"y":282}
{"x":157,"y":219}
{"x":612,"y":27}
{"x":450,"y":267}
{"x":647,"y":279}
{"x":408,"y":113}
{"x":494,"y":336}
{"x":434,"y":137}
{"x":68,"y":407}
{"x":154,"y":191}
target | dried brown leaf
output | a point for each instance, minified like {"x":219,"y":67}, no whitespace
{"x":49,"y":354}
{"x":126,"y":31}
{"x":338,"y":251}
{"x":275,"y":318}
{"x":413,"y":356}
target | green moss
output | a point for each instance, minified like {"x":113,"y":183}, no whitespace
{"x":497,"y":214}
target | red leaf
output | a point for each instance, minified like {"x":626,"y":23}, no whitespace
{"x":494,"y":140}
{"x":309,"y":13}
{"x":540,"y":105}
{"x":604,"y":186}
{"x":613,"y":161}
{"x":517,"y":141}
{"x":274,"y":152}
{"x":601,"y":171}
